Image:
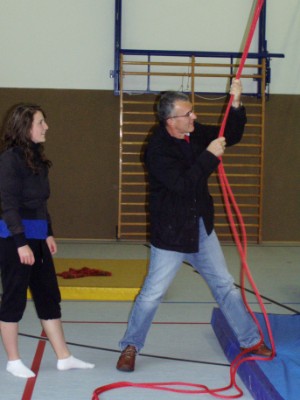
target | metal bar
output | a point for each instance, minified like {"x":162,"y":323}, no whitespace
{"x":204,"y":54}
{"x":263,"y":97}
{"x":118,"y":34}
{"x":119,"y":227}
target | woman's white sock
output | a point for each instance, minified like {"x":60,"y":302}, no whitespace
{"x":71,"y":363}
{"x":17,"y":368}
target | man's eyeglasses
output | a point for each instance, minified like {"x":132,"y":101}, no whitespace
{"x":187,"y":115}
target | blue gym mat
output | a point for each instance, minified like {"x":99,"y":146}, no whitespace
{"x":277,"y":379}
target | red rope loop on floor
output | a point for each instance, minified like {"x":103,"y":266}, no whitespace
{"x":241,"y":243}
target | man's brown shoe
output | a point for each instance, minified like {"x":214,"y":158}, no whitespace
{"x":262,"y":350}
{"x":127,"y":359}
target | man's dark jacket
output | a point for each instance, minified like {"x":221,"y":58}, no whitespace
{"x":178,"y":180}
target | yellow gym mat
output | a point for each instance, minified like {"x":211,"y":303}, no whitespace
{"x":126,"y":279}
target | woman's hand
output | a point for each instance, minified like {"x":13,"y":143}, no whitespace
{"x":26,"y":255}
{"x":51,"y":244}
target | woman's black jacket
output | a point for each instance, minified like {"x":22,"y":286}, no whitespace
{"x":23,"y":193}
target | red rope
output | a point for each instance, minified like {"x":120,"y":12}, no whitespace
{"x":256,"y":15}
{"x":241,"y":240}
{"x":241,"y":243}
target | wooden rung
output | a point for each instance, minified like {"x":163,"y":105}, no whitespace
{"x":133,"y":133}
{"x":244,"y":185}
{"x":138,"y":123}
{"x":132,"y":163}
{"x":131,"y":153}
{"x":135,"y":224}
{"x":137,"y":102}
{"x":243,"y":155}
{"x":132,"y":203}
{"x":237,"y":195}
{"x":139,"y":113}
{"x":135,"y":213}
{"x":240,"y":205}
{"x":188,"y":64}
{"x":246,"y":225}
{"x":133,"y":184}
{"x":185,"y":74}
{"x":125,"y":142}
{"x":124,"y":234}
{"x":241,"y":165}
{"x":134,"y":193}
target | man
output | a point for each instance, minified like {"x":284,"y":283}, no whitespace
{"x":181,"y":219}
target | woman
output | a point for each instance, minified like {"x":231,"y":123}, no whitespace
{"x":26,"y":238}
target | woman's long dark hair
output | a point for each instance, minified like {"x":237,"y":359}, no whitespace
{"x":16,"y":133}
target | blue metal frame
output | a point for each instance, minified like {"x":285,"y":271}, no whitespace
{"x":261,"y":54}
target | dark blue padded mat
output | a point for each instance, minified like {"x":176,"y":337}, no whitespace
{"x":277,"y":379}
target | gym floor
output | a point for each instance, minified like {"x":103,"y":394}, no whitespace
{"x":181,"y":345}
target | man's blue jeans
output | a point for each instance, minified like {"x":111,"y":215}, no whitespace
{"x":211,"y":264}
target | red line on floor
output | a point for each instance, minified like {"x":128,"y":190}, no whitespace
{"x":36,"y":363}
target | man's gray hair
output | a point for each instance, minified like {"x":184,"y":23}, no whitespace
{"x":166,"y":104}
